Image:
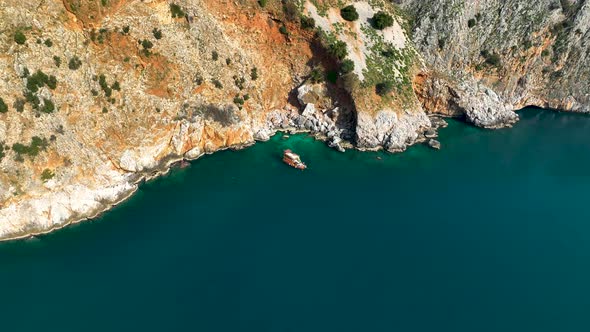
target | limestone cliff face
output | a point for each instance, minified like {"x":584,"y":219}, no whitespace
{"x":96,"y":96}
{"x":487,"y":58}
{"x":101,"y":95}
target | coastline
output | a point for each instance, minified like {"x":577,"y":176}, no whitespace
{"x":168,"y":163}
{"x":164,"y":168}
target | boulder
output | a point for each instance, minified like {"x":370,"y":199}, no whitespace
{"x":430,"y":133}
{"x":434,"y":144}
{"x":309,"y":110}
{"x":311,"y":93}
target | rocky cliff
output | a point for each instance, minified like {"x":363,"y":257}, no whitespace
{"x":488,"y":58}
{"x":98,"y":95}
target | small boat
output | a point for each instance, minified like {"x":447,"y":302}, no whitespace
{"x":292,"y":159}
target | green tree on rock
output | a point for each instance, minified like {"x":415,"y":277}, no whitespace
{"x":381,"y":20}
{"x":349,"y":13}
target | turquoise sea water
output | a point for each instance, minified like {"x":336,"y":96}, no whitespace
{"x":492,"y":233}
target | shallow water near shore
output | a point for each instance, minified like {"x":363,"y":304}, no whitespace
{"x":491,"y":233}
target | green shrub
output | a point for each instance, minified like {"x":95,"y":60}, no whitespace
{"x":3,"y":106}
{"x":317,"y":75}
{"x":332,"y":76}
{"x":40,"y":79}
{"x":108,"y":91}
{"x":199,"y":79}
{"x":48,"y":42}
{"x":228,"y":61}
{"x":471,"y":23}
{"x":346,"y":67}
{"x":125,"y":30}
{"x":52,"y":82}
{"x":262,"y":3}
{"x":307,"y":22}
{"x":283,"y":30}
{"x":176,"y":11}
{"x":338,"y":50}
{"x":238,"y":101}
{"x":381,"y":20}
{"x":214,"y":55}
{"x":57,"y":61}
{"x":74,"y":63}
{"x":47,"y":175}
{"x":492,"y":59}
{"x":146,"y":44}
{"x":157,"y":33}
{"x":20,"y":38}
{"x":384,"y":88}
{"x":48,"y":106}
{"x":37,"y":144}
{"x":254,"y":74}
{"x":32,"y":99}
{"x":349,"y":13}
{"x":217,"y":84}
{"x":239,"y":82}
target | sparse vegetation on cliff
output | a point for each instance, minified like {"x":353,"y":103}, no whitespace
{"x":39,"y":79}
{"x":37,"y":145}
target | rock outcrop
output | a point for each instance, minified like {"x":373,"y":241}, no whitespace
{"x":487,"y":58}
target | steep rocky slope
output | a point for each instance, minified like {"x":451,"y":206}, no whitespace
{"x":98,"y":95}
{"x":488,"y":58}
{"x":134,"y":88}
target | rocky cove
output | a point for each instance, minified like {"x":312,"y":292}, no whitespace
{"x":225,"y":74}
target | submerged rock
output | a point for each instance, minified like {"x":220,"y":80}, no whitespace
{"x":434,"y":144}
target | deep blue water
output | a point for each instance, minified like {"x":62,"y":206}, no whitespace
{"x":491,"y":233}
